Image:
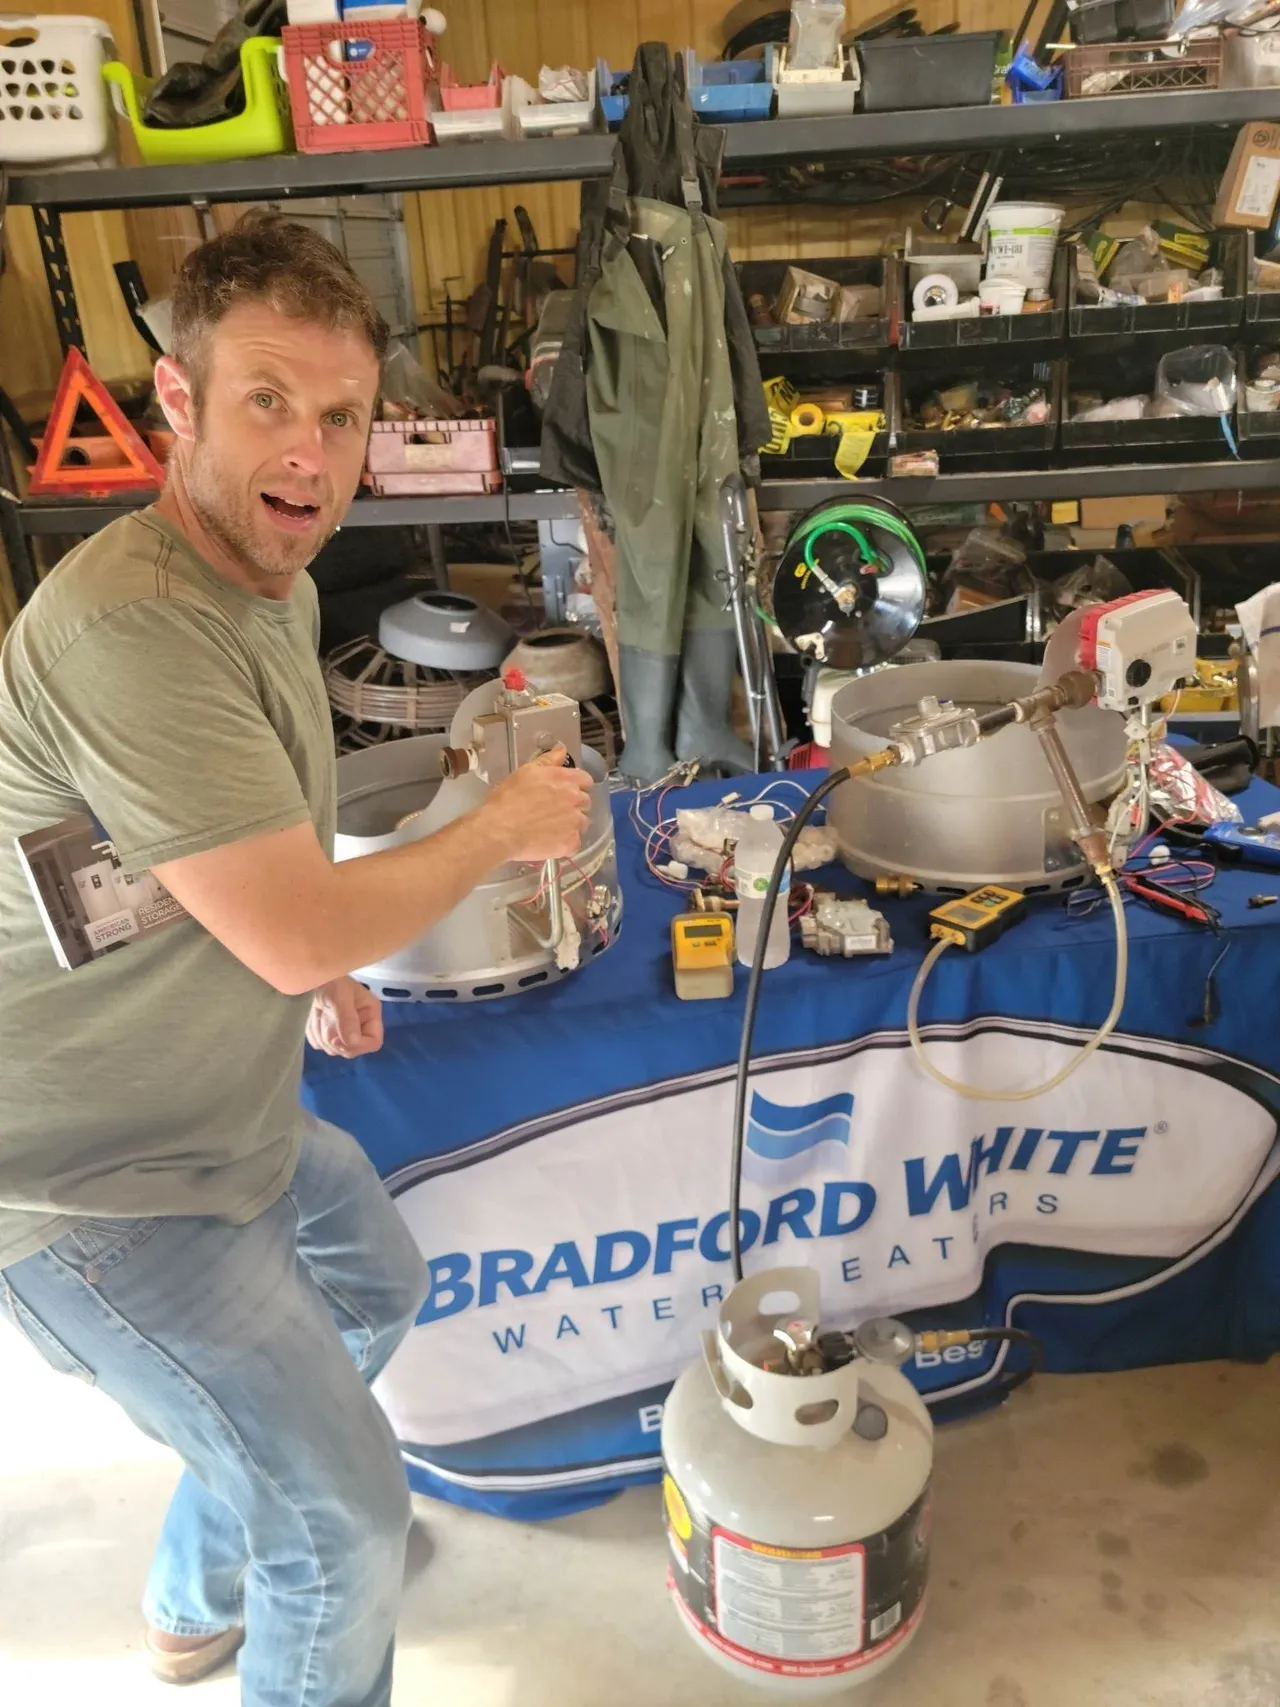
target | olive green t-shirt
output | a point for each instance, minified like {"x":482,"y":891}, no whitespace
{"x":184,"y":713}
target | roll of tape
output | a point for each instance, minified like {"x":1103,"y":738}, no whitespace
{"x":936,"y":290}
{"x":807,"y":420}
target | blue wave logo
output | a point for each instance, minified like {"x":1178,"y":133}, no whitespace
{"x":780,"y":1140}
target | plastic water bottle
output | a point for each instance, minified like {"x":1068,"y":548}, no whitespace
{"x":754,"y":858}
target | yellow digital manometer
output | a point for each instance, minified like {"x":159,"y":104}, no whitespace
{"x":702,"y":955}
{"x":976,"y":920}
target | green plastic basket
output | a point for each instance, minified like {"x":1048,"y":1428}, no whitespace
{"x":264,"y":127}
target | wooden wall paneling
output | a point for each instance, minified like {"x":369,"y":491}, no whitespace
{"x":449,"y":233}
{"x":30,"y":358}
{"x":672,"y":21}
{"x":465,"y":44}
{"x":564,"y":32}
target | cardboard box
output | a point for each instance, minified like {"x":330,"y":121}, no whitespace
{"x":1250,"y":185}
{"x":805,"y":299}
{"x":857,"y":302}
{"x":1113,"y":513}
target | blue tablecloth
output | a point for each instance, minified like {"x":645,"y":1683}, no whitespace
{"x":562,"y":1158}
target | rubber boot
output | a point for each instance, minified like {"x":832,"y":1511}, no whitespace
{"x":704,"y":730}
{"x":647,"y":700}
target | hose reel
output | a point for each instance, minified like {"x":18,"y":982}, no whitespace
{"x":849,"y":590}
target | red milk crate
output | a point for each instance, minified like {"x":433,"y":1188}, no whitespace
{"x":358,"y":86}
{"x":423,"y":458}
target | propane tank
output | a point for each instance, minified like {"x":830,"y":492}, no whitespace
{"x":797,"y":1494}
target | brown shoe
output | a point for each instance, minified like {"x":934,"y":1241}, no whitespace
{"x":189,"y":1659}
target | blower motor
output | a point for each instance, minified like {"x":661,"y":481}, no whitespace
{"x":797,"y":1488}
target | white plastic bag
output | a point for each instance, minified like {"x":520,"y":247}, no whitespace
{"x":817,"y":29}
{"x":1200,"y":380}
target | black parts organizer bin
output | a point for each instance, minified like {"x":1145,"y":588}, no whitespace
{"x":907,"y":73}
{"x":1046,"y":327}
{"x":872,"y":332}
{"x":1127,"y":319}
{"x":1162,"y":438}
{"x":970,"y":447}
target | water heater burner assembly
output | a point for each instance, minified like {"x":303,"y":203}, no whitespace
{"x":525,"y":925}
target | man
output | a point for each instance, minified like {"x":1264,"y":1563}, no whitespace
{"x":171,"y":1226}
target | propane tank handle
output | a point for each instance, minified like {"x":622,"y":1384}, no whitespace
{"x":782,"y":1407}
{"x":715,"y":1368}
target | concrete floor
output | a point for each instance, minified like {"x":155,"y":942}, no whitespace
{"x":1102,"y":1542}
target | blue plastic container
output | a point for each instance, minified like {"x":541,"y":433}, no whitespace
{"x":612,"y":106}
{"x":728,"y":91}
{"x":1029,"y":82}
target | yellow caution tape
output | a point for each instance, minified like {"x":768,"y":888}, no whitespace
{"x":789,"y":419}
{"x":808,"y":420}
{"x":781,"y":398}
{"x":857,"y":429}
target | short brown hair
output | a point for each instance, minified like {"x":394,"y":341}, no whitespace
{"x":268,"y":258}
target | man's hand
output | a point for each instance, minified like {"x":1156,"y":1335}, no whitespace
{"x":346,"y":1020}
{"x":287,"y":912}
{"x":540,"y":811}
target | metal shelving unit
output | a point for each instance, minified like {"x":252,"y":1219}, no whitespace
{"x":942,"y":130}
{"x":51,"y":516}
{"x":57,"y":515}
{"x":51,"y":194}
{"x":1121,"y":480}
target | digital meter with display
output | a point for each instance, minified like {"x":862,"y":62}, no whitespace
{"x":702,"y":955}
{"x":975,"y":921}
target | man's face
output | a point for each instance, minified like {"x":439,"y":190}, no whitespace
{"x":279,"y":436}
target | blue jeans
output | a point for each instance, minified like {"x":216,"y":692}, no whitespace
{"x":247,"y":1350}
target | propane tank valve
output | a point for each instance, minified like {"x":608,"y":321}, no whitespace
{"x":804,"y":1352}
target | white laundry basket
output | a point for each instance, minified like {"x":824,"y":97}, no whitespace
{"x":53,"y":98}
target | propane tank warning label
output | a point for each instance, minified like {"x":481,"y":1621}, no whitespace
{"x":796,"y":1612}
{"x":789,"y":1606}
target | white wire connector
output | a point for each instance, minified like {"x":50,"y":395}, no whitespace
{"x":675,"y":868}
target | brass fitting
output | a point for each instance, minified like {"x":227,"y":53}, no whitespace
{"x":937,"y":1341}
{"x":882,"y":760}
{"x":896,"y":884}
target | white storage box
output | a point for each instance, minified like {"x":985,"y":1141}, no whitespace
{"x":53,"y":97}
{"x":537,"y":117}
{"x":1251,"y":59}
{"x":828,"y":92}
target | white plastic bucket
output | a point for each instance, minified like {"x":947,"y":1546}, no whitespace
{"x":1021,"y":240}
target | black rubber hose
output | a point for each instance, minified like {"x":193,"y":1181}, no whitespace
{"x":789,"y":841}
{"x":950,"y":1409}
{"x":773,"y":27}
{"x":1016,"y":1336}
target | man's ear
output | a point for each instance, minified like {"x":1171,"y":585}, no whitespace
{"x":173,"y":388}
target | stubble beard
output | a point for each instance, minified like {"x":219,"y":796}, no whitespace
{"x":228,"y":521}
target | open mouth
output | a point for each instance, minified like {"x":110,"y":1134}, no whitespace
{"x":286,"y":511}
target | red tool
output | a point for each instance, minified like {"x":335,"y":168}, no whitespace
{"x":49,"y":479}
{"x":1167,"y":900}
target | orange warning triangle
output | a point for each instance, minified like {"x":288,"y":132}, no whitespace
{"x":79,"y":384}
